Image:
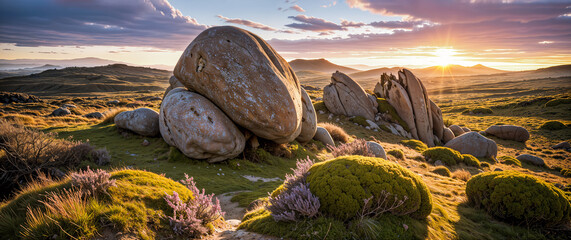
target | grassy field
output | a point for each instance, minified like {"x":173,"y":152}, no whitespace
{"x":518,"y":102}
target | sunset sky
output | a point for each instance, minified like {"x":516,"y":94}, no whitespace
{"x":510,"y":35}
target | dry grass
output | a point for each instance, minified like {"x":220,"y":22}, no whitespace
{"x":109,"y":116}
{"x":461,"y":174}
{"x":337,"y":133}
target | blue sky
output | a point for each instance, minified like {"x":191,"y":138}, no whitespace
{"x":507,"y":34}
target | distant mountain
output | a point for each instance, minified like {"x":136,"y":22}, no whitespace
{"x":375,"y":72}
{"x":89,"y":81}
{"x":77,"y":62}
{"x":320,"y":65}
{"x":26,"y":71}
{"x":456,"y":70}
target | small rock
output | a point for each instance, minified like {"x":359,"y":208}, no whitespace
{"x":376,"y":149}
{"x":528,"y":158}
{"x":68,"y":106}
{"x":498,"y":170}
{"x":60,"y":112}
{"x":438,"y":163}
{"x":562,"y":145}
{"x":97,"y":115}
{"x":323,"y":136}
{"x":457,"y":130}
{"x":465,"y":129}
{"x":113,"y":102}
{"x":145,"y":143}
{"x":143,"y":121}
{"x":372,"y":124}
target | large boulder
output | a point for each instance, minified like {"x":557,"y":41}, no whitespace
{"x":421,"y":107}
{"x":397,"y":97}
{"x":509,"y":132}
{"x":309,"y":119}
{"x":528,"y":158}
{"x":345,"y":96}
{"x":143,"y":121}
{"x":437,"y":120}
{"x":173,"y":83}
{"x":198,"y":128}
{"x":323,"y":136}
{"x":247,"y":79}
{"x":474,"y":144}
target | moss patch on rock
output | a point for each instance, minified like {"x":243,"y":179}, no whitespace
{"x":344,"y":182}
{"x":519,"y":198}
{"x":386,"y":107}
{"x":415,"y":144}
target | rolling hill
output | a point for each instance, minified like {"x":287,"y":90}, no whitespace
{"x":89,"y":81}
{"x":320,"y":65}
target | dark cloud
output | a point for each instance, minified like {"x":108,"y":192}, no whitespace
{"x":396,"y":24}
{"x":247,"y":23}
{"x":96,"y":22}
{"x":313,"y":24}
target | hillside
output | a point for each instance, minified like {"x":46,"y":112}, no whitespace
{"x":320,"y":65}
{"x":89,"y":81}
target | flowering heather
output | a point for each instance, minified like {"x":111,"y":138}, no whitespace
{"x":302,"y":167}
{"x":193,"y":216}
{"x":294,"y":204}
{"x":381,"y":204}
{"x":92,"y":182}
{"x":357,"y":147}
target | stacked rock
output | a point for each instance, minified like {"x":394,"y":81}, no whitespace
{"x":236,"y":84}
{"x":408,"y":96}
{"x":346,"y":97}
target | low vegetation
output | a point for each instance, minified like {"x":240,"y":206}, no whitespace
{"x":509,"y":160}
{"x":337,"y":133}
{"x":415,"y":144}
{"x":553,"y":125}
{"x":442,"y":170}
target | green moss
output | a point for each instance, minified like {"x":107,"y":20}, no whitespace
{"x":397,"y":153}
{"x":415,"y":144}
{"x":555,"y":102}
{"x":470,"y":160}
{"x":553,"y":125}
{"x":344,"y":182}
{"x":360,"y":120}
{"x":519,"y":198}
{"x":448,"y":156}
{"x":509,"y":160}
{"x":261,"y":221}
{"x":320,"y":106}
{"x":386,"y":107}
{"x":565,"y":172}
{"x":442,"y":170}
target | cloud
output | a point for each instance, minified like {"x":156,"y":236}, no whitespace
{"x":153,"y":23}
{"x":347,"y":23}
{"x":297,"y":8}
{"x":329,"y":5}
{"x":247,"y":23}
{"x":396,"y":24}
{"x":313,"y":24}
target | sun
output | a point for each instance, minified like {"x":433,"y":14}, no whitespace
{"x":444,"y":56}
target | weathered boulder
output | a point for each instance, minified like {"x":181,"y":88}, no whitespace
{"x":376,"y":149}
{"x":447,"y":135}
{"x":143,"y":121}
{"x":309,"y":119}
{"x":60,"y":112}
{"x":474,"y":144}
{"x":345,"y":96}
{"x":421,"y":107}
{"x":509,"y":132}
{"x":173,"y":83}
{"x":97,"y":115}
{"x":437,"y":120}
{"x":562,"y":145}
{"x":198,"y":128}
{"x":247,"y":79}
{"x":457,"y":130}
{"x":397,"y":96}
{"x":528,"y":158}
{"x":322,"y":135}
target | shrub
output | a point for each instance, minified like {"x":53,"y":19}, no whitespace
{"x":414,"y":144}
{"x":386,"y":107}
{"x":356,"y":147}
{"x":342,"y":185}
{"x":555,"y":102}
{"x":92,"y":182}
{"x":470,"y":160}
{"x":442,"y":170}
{"x":360,"y":120}
{"x":478,"y":111}
{"x":337,"y":133}
{"x":396,"y":153}
{"x":28,"y":152}
{"x":101,"y":156}
{"x":565,"y":172}
{"x":461,"y":174}
{"x":519,"y":198}
{"x":193,"y":217}
{"x":553,"y":125}
{"x":448,"y":156}
{"x":508,"y":160}
{"x":484,"y":165}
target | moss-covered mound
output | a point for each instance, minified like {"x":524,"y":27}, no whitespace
{"x":558,"y":101}
{"x":446,"y":155}
{"x":442,"y":170}
{"x":470,"y":160}
{"x":134,"y":206}
{"x":414,"y":144}
{"x":519,"y":198}
{"x":397,"y":153}
{"x":553,"y":125}
{"x":344,"y":182}
{"x":509,"y":160}
{"x":386,"y":107}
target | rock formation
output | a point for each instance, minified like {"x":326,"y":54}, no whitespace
{"x":198,"y":128}
{"x":309,"y":119}
{"x":509,"y":132}
{"x":345,"y":96}
{"x":247,"y":79}
{"x":143,"y":121}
